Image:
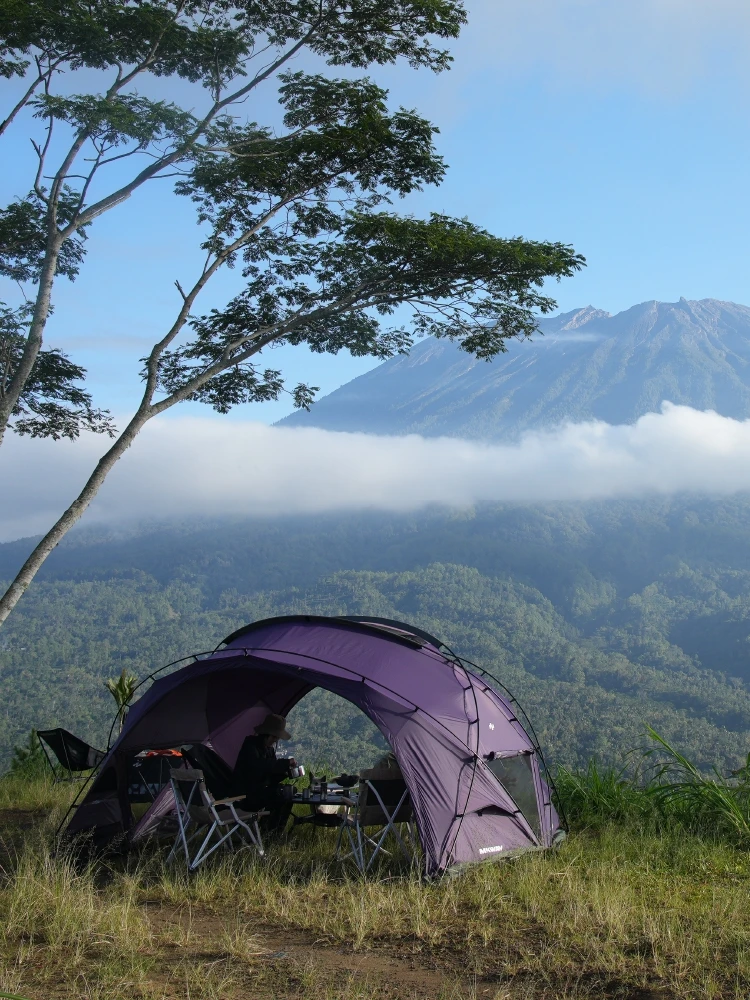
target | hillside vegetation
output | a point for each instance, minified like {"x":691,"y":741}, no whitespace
{"x":601,"y":618}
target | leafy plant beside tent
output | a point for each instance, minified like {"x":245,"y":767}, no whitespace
{"x":122,"y":689}
{"x":713,"y":802}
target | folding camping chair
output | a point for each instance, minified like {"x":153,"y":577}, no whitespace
{"x":382,"y":801}
{"x":197,"y":810}
{"x":72,"y":753}
{"x":217,"y":773}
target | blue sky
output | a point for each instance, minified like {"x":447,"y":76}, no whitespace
{"x":620,"y":128}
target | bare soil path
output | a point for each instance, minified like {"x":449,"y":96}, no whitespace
{"x":400,"y":973}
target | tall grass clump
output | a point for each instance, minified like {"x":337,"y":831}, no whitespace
{"x":55,"y":901}
{"x":601,"y":795}
{"x":71,"y":930}
{"x":699,"y":801}
{"x":657,"y":789}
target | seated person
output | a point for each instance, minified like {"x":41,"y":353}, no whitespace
{"x":258,"y":773}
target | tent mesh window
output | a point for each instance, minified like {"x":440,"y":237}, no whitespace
{"x":515,"y":775}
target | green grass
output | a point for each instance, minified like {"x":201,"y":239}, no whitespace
{"x":40,"y":794}
{"x":618,"y":905}
{"x":650,"y":890}
{"x":659,"y":788}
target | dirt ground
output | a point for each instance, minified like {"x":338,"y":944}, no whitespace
{"x":272,"y":963}
{"x":286,"y":951}
{"x":399,"y":973}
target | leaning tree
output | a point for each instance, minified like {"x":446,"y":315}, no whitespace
{"x":301,"y":211}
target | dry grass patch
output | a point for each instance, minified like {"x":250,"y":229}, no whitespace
{"x":620,"y":906}
{"x":61,"y":930}
{"x":608,"y":914}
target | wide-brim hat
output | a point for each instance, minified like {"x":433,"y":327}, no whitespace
{"x":273,"y":725}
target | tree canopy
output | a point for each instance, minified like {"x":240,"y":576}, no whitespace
{"x":51,"y":403}
{"x":302,"y":211}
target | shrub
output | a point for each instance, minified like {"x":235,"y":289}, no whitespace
{"x":28,"y":760}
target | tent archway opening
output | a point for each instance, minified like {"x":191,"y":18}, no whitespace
{"x":331,"y":735}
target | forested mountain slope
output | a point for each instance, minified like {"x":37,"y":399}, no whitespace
{"x":587,"y":365}
{"x":600,"y":617}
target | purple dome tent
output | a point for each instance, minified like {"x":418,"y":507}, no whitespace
{"x":473,"y":772}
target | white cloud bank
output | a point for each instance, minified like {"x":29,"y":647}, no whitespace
{"x":210,"y":466}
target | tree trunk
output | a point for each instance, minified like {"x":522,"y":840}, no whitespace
{"x":35,"y":335}
{"x":55,"y":535}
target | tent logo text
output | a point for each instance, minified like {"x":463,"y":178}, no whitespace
{"x":491,"y":850}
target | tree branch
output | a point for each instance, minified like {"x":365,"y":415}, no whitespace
{"x":123,"y":193}
{"x":41,"y":75}
{"x":87,"y":181}
{"x":123,"y":81}
{"x":268,"y":71}
{"x":152,"y":365}
{"x":71,"y":515}
{"x":124,"y":156}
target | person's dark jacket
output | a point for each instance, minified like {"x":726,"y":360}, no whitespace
{"x":258,"y":772}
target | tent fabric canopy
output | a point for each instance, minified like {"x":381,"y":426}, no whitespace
{"x":472,"y":770}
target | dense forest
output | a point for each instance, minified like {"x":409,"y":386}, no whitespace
{"x":599,"y":617}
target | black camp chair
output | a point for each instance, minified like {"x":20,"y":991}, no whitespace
{"x":382,"y":801}
{"x":71,"y":752}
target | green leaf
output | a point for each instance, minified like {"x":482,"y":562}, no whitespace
{"x":118,"y":120}
{"x":23,"y":237}
{"x":51,"y":405}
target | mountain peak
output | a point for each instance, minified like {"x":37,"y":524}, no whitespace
{"x":579,"y":317}
{"x":589,"y":364}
